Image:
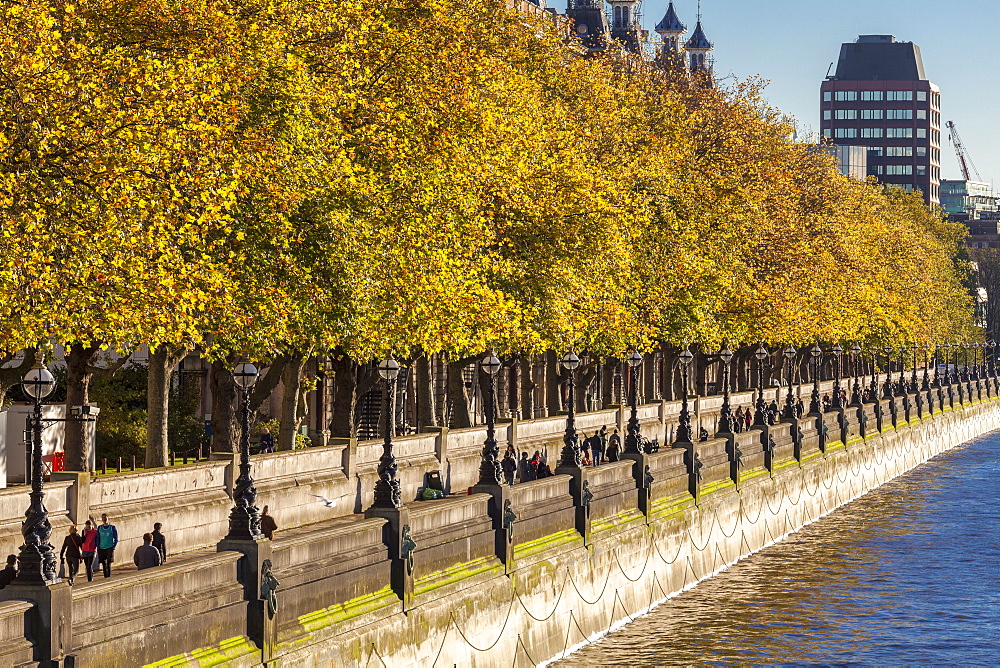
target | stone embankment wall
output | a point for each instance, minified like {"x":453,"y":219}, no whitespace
{"x":499,"y":577}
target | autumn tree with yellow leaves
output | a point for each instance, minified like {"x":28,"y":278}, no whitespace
{"x":287,"y":178}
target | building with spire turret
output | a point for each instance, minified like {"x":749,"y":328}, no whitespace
{"x":670,"y":29}
{"x":625,"y":27}
{"x":698,"y":48}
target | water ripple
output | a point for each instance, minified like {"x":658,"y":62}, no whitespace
{"x":904,"y":575}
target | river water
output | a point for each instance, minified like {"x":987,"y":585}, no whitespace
{"x":907,"y":574}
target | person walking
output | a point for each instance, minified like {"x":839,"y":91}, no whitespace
{"x":509,"y":466}
{"x":107,"y":541}
{"x":89,"y":548}
{"x":146,"y":556}
{"x":71,"y":553}
{"x":8,"y":574}
{"x":160,"y":542}
{"x":524,"y":469}
{"x":267,"y":524}
{"x":614,"y":447}
{"x":266,"y":441}
{"x":600,"y":443}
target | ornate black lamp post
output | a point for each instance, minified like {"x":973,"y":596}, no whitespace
{"x":633,"y":444}
{"x":726,"y":420}
{"x":790,"y":399}
{"x":887,"y":391}
{"x":244,"y":518}
{"x":37,"y":560}
{"x":684,"y":432}
{"x":760,"y":418}
{"x":489,"y":470}
{"x":571,"y":449}
{"x":902,"y":384}
{"x":838,"y":401}
{"x":926,"y":383}
{"x":388,"y":493}
{"x":856,"y":398}
{"x":815,"y":405}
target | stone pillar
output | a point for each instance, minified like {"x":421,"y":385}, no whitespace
{"x":79,"y":495}
{"x":396,"y":537}
{"x":50,"y":620}
{"x":254,"y":572}
{"x":504,"y":518}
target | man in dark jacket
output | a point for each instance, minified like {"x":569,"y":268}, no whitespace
{"x":160,"y":542}
{"x":146,"y":556}
{"x":8,"y":574}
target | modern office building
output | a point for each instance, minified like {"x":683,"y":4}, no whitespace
{"x":968,"y":198}
{"x":851,"y":160}
{"x":881,"y":98}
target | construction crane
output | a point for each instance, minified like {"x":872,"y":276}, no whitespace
{"x":964,"y":159}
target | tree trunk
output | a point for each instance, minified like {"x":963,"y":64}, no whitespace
{"x":585,"y":387}
{"x":162,"y":361}
{"x":527,"y":387}
{"x":291,"y":414}
{"x":458,"y":392}
{"x":225,"y":431}
{"x":345,"y":382}
{"x":79,"y":373}
{"x":425,"y":394}
{"x":553,"y":393}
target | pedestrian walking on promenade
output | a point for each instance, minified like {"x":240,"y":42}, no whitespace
{"x":89,"y":548}
{"x":267,"y":524}
{"x":8,"y":574}
{"x":524,"y":472}
{"x":107,"y":541}
{"x":266,"y":441}
{"x":614,"y":447}
{"x":599,"y":445}
{"x":146,"y":556}
{"x":509,"y":466}
{"x":71,"y":553}
{"x":159,"y":541}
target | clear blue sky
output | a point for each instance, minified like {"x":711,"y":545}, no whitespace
{"x":791,"y":43}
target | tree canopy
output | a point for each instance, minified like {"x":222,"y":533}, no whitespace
{"x":255,"y":177}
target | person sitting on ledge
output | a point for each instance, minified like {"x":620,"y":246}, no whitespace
{"x":146,"y":556}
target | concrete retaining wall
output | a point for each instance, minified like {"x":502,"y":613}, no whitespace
{"x":572,"y":594}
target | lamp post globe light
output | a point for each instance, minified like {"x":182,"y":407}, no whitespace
{"x":633,"y":444}
{"x":37,"y":559}
{"x":244,"y":518}
{"x":726,"y":420}
{"x":789,"y":354}
{"x":684,"y":431}
{"x":571,"y":455}
{"x":856,"y":399}
{"x":760,"y":417}
{"x":815,"y":405}
{"x":388,"y":493}
{"x":489,"y":469}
